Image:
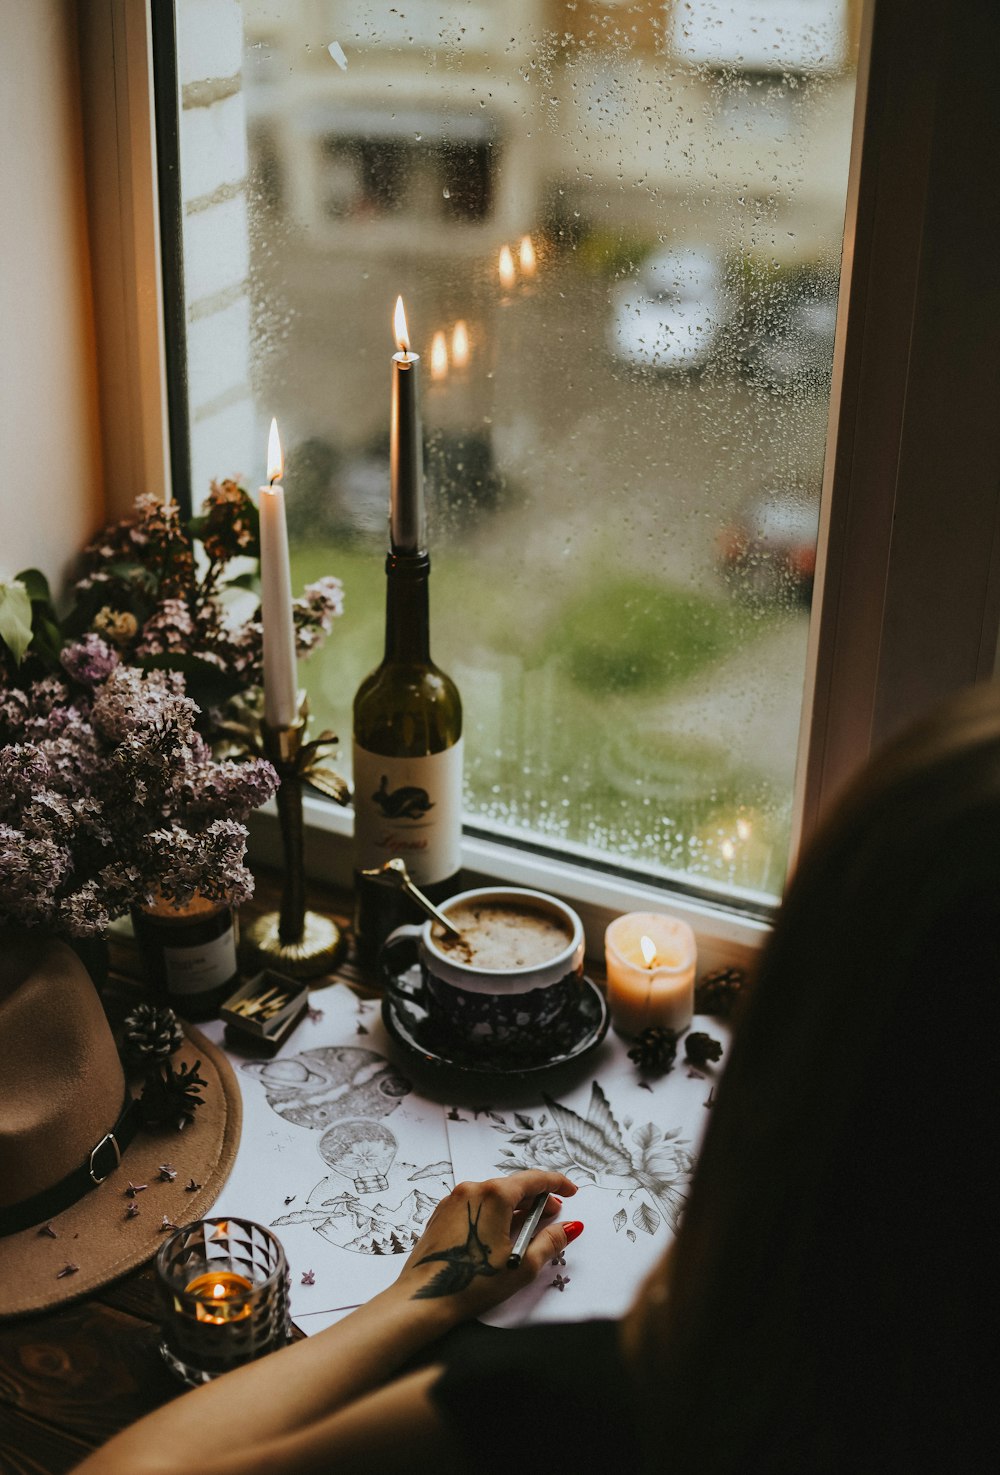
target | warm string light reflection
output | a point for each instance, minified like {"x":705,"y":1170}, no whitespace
{"x":460,"y":345}
{"x":445,"y":360}
{"x":505,"y":268}
{"x":439,"y":357}
{"x":524,"y":268}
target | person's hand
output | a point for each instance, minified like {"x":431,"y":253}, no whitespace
{"x":461,"y":1257}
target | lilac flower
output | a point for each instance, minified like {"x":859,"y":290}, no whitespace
{"x":90,"y":660}
{"x":111,"y":798}
{"x":168,"y":630}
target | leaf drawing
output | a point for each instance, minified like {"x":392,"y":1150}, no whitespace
{"x":524,"y":1121}
{"x":645,"y":1086}
{"x":496,"y":1117}
{"x":646,"y":1136}
{"x":646,"y":1219}
{"x":594,"y":1142}
{"x":631,"y":1234}
{"x":626,"y":1122}
{"x":542,"y":1119}
{"x":619,"y":1220}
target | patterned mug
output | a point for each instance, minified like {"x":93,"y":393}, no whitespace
{"x":516,"y":971}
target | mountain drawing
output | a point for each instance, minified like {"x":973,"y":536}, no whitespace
{"x":349,"y":1224}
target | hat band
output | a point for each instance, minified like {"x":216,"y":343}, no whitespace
{"x":100,"y":1163}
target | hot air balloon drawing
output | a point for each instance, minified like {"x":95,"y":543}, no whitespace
{"x":362,"y":1152}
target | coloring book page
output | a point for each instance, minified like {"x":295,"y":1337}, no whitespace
{"x":628,"y":1141}
{"x":338,"y":1155}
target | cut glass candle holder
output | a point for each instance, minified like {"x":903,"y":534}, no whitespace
{"x":224,"y":1286}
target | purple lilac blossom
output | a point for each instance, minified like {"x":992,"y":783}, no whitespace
{"x":112,"y":797}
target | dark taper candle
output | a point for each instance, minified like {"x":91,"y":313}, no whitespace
{"x":406,"y":508}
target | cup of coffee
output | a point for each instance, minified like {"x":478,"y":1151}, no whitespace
{"x":511,"y":972}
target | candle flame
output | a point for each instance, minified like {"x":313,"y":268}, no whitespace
{"x":399,"y":326}
{"x":648,"y":948}
{"x":506,"y":267}
{"x":275,"y":464}
{"x":218,"y":1291}
{"x":743,"y":829}
{"x":439,"y":357}
{"x":460,"y":344}
{"x":526,"y":256}
{"x":728,"y":850}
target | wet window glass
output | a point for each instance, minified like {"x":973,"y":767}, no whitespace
{"x":617,"y":231}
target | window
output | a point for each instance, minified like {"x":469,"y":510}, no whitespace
{"x":906,"y":601}
{"x":619,"y":250}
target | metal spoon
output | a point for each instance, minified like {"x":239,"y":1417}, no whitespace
{"x":395,"y":872}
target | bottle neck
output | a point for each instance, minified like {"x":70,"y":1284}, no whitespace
{"x":407,"y":608}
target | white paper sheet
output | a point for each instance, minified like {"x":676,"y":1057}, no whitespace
{"x":343,"y":1158}
{"x":338,"y":1155}
{"x":629,"y":1147}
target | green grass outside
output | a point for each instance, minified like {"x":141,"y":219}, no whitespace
{"x":563,"y":725}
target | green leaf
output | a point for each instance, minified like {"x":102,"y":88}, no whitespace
{"x":48,"y":640}
{"x":15,"y":619}
{"x":36,"y":584}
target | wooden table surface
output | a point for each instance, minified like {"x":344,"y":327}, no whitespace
{"x":71,"y":1378}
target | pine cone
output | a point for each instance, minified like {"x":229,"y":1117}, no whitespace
{"x":654,"y":1050}
{"x":719,"y":992}
{"x":170,"y":1097}
{"x":700,"y":1049}
{"x":150,"y":1034}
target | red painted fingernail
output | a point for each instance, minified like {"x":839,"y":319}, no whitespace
{"x":572,"y":1230}
{"x":557,"y":1198}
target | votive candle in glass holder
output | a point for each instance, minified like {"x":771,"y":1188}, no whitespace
{"x":224,"y":1287}
{"x":651,"y":960}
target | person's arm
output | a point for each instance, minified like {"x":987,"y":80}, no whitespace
{"x":304,"y":1408}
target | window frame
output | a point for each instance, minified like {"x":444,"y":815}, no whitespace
{"x":918,"y":247}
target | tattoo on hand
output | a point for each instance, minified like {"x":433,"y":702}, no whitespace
{"x":462,"y":1264}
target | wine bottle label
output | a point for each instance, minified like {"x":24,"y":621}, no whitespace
{"x":411,"y":808}
{"x":196,"y":969}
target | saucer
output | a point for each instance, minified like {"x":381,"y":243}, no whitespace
{"x":579,"y":1031}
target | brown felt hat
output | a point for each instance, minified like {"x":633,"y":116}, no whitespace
{"x":71,"y":1144}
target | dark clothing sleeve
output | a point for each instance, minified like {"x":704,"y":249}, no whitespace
{"x":530,"y":1400}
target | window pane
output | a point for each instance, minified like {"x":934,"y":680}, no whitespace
{"x":617,"y":231}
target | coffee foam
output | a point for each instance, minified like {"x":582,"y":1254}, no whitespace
{"x":502,"y":935}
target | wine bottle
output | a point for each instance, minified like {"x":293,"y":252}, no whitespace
{"x":407,"y":764}
{"x":188,"y":954}
{"x":407,"y":712}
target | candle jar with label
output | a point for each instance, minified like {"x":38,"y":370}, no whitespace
{"x":651,"y":960}
{"x":188,"y":953}
{"x":224,"y":1287}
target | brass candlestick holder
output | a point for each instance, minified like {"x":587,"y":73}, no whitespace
{"x":294,"y":940}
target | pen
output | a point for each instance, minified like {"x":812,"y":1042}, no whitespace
{"x":531,"y":1223}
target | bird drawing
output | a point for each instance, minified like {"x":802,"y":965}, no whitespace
{"x":461,"y":1264}
{"x":594,"y":1145}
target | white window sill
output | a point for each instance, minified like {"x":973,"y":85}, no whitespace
{"x":724,"y":937}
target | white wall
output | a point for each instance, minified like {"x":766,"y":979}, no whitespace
{"x":50,"y":466}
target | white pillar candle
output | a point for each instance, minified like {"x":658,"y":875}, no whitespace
{"x":651,"y":960}
{"x":281,"y":705}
